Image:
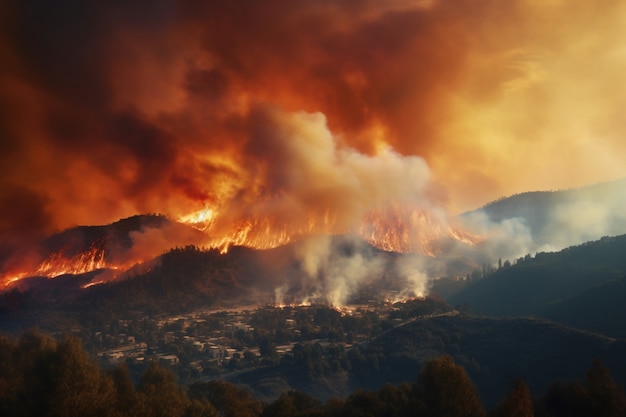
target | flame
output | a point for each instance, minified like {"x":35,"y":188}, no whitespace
{"x":402,"y":230}
{"x":394,"y":229}
{"x":64,"y":262}
{"x":59,"y":264}
{"x":202,"y":219}
{"x":91,"y":284}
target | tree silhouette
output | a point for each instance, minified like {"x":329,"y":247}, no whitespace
{"x":161,"y":396}
{"x":445,"y":390}
{"x":228,"y":399}
{"x":80,"y":387}
{"x":606,"y":397}
{"x":126,"y":400}
{"x":293,"y":403}
{"x":517,"y":403}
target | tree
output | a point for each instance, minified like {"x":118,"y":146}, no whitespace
{"x":363,"y":404}
{"x":292,"y":403}
{"x":566,"y":400}
{"x":606,"y":397}
{"x":228,"y":399}
{"x":517,"y":403}
{"x":201,"y":408}
{"x":126,"y":400}
{"x":78,"y":386}
{"x":267,"y":348}
{"x":160,"y":394}
{"x":445,"y":390}
{"x":397,"y":401}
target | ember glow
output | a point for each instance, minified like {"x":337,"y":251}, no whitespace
{"x":264,"y":122}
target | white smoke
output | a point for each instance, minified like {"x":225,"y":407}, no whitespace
{"x":548,"y":222}
{"x":335,"y":269}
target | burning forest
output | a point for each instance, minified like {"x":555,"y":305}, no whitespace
{"x":271,"y":124}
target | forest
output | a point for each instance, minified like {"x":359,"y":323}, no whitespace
{"x":43,"y":376}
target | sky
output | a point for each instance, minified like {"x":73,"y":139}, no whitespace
{"x":301,"y":116}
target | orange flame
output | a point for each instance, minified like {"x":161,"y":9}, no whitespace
{"x":396,"y":229}
{"x":59,"y":264}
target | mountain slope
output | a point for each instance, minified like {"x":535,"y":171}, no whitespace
{"x":561,"y":218}
{"x":494,"y":352}
{"x":600,"y":308}
{"x":555,"y":285}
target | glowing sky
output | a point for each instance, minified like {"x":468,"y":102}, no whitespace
{"x":312,"y":108}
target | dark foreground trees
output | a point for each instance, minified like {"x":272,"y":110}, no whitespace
{"x":40,"y":376}
{"x":444,"y":389}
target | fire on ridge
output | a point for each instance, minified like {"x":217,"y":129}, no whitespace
{"x":395,"y":230}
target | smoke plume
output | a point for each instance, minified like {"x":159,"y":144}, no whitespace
{"x":279,"y":119}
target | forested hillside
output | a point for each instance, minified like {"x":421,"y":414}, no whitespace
{"x":580,"y":286}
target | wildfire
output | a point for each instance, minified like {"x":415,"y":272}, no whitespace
{"x":59,"y":264}
{"x":257,"y":233}
{"x":64,"y":262}
{"x":396,"y":229}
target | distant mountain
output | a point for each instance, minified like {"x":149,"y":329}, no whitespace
{"x":581,"y":286}
{"x":560,"y":218}
{"x":493,"y":351}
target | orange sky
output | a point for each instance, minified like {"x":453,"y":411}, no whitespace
{"x":292,"y":110}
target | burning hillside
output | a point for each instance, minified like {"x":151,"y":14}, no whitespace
{"x":290,"y":118}
{"x":139,"y":239}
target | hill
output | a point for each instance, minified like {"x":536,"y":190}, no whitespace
{"x":558,"y":219}
{"x":579,"y":286}
{"x":187,"y":278}
{"x":494,"y":352}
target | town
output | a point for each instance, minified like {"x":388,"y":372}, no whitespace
{"x":213,"y":342}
